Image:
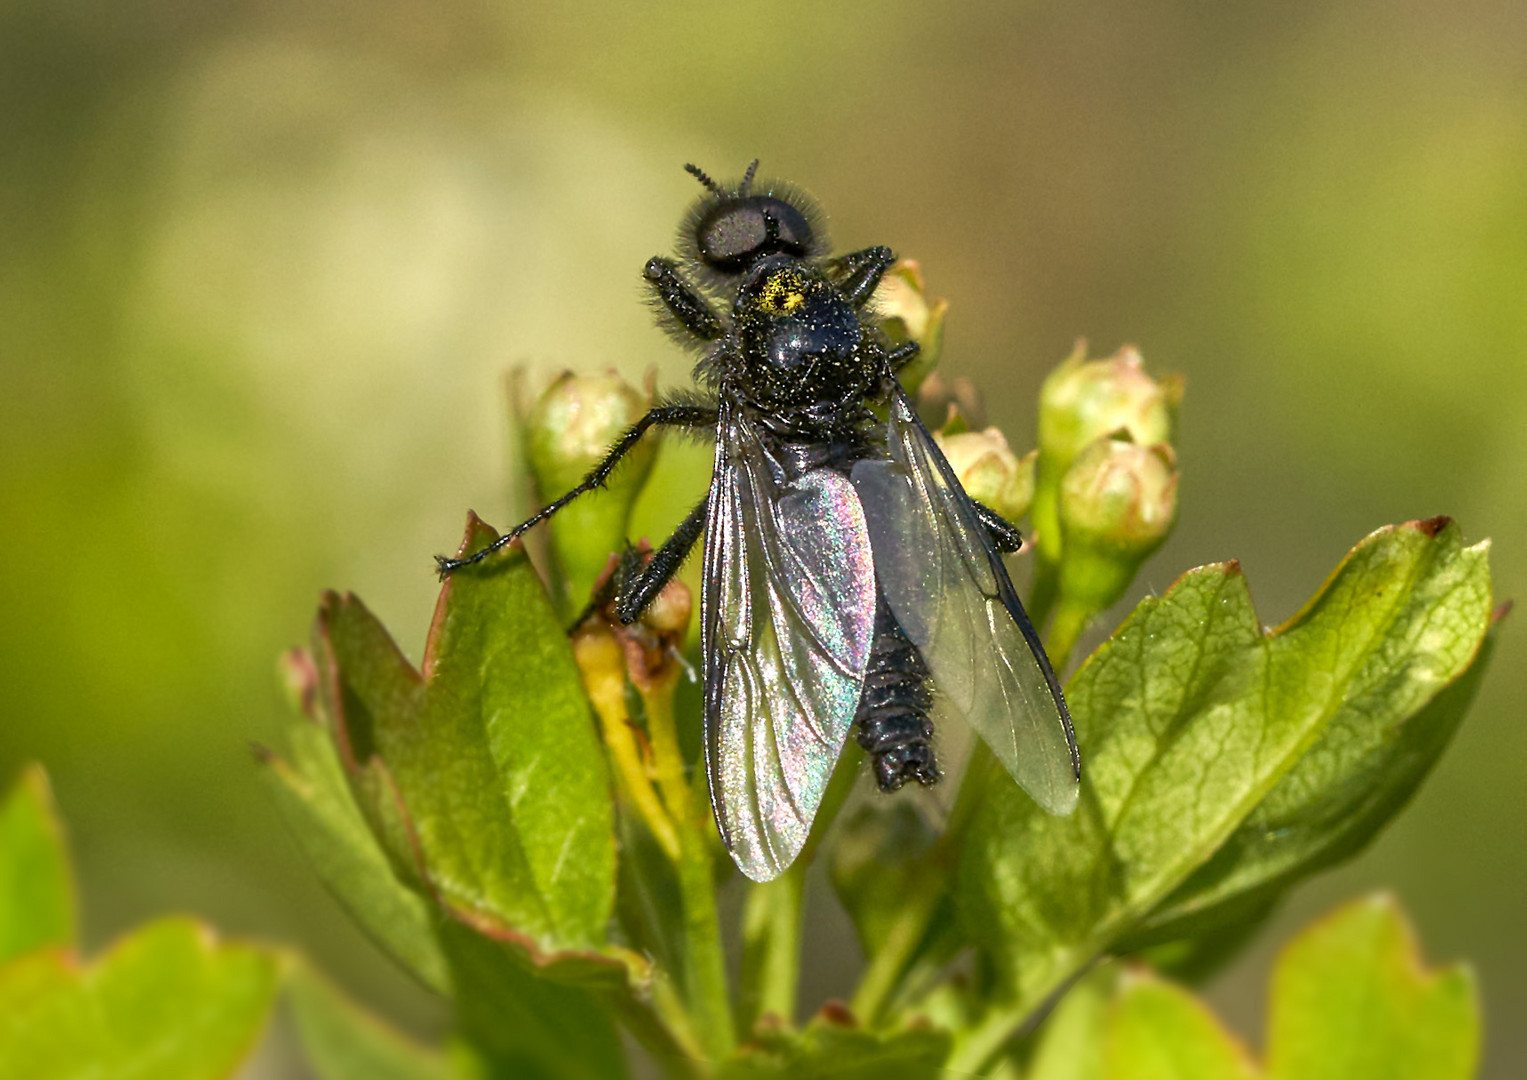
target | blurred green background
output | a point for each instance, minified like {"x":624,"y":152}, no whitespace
{"x":263,"y":263}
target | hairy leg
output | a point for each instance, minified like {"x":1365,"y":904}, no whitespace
{"x":863,"y":271}
{"x":691,"y":310}
{"x":640,"y":588}
{"x":673,"y":415}
{"x":1004,"y":534}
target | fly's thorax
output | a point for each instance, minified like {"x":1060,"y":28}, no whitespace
{"x":801,"y":340}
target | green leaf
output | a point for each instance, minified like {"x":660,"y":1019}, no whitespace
{"x":341,"y":1041}
{"x":321,"y":813}
{"x":1071,"y":1045}
{"x":1365,"y":767}
{"x":1351,"y":998}
{"x":649,"y":903}
{"x":37,"y":898}
{"x":521,"y":1026}
{"x":879,"y":860}
{"x":167,"y":1003}
{"x":1156,"y":1031}
{"x":497,"y":768}
{"x":1189,"y":717}
{"x":833,"y":1047}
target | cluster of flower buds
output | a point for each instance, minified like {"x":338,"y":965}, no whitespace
{"x":652,"y":646}
{"x":1101,"y":489}
{"x":1105,"y":496}
{"x":649,"y":768}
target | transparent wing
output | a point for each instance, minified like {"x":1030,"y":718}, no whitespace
{"x":788,"y":610}
{"x":947,"y":586}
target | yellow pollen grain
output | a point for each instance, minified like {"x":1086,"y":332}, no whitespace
{"x":782,"y":293}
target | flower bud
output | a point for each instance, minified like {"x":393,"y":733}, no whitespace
{"x":653,"y":642}
{"x":567,"y":431}
{"x":950,"y":404}
{"x":1118,"y":502}
{"x":1082,"y":401}
{"x":906,"y":315}
{"x":880,"y":859}
{"x":668,"y":614}
{"x":989,"y":471}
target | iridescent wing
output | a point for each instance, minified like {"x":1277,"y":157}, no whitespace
{"x":946,"y":585}
{"x":788,"y":610}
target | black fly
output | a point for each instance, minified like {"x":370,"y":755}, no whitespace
{"x":849,"y":581}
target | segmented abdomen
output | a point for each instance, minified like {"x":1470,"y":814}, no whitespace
{"x":893,"y":710}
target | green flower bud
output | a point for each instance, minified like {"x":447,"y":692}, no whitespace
{"x":1080,"y":402}
{"x":906,"y":315}
{"x":567,"y":431}
{"x":989,"y":471}
{"x":881,"y":857}
{"x":569,"y":428}
{"x":1118,"y":502}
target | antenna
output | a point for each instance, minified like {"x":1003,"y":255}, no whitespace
{"x":700,"y":175}
{"x":747,"y":178}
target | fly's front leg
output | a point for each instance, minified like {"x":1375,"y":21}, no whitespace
{"x":637,"y":591}
{"x":691,"y":310}
{"x":672,"y":415}
{"x":863,"y":271}
{"x":1004,"y":534}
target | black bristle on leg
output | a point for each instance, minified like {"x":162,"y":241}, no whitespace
{"x":893,"y":710}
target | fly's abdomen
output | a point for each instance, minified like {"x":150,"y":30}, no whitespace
{"x":893,"y":710}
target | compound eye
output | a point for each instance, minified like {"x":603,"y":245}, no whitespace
{"x":736,"y":232}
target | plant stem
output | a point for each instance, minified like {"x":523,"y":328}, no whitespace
{"x":705,"y":983}
{"x":664,"y":1028}
{"x":704,"y":962}
{"x":771,"y":919}
{"x":771,"y":946}
{"x":1070,"y":620}
{"x":976,"y":1046}
{"x":603,"y":666}
{"x":663,"y":738}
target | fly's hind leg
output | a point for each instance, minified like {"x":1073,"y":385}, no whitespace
{"x":671,"y":415}
{"x":1004,"y":534}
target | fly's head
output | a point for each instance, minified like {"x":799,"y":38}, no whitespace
{"x":730,"y":229}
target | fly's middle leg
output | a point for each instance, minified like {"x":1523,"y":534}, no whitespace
{"x":637,"y":591}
